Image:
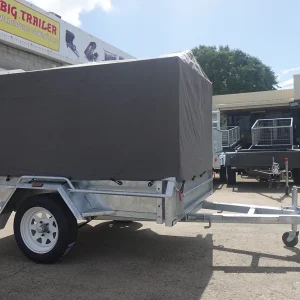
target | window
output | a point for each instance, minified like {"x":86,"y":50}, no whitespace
{"x":244,"y":122}
{"x":287,"y":115}
{"x":272,"y":116}
{"x":230,"y":121}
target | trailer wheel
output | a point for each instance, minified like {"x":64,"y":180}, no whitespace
{"x":291,"y":243}
{"x":45,"y":229}
{"x":223,"y":175}
{"x":231,"y":176}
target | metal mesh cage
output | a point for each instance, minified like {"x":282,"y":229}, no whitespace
{"x":216,"y":119}
{"x":230,"y":136}
{"x":217,"y":140}
{"x":272,"y":132}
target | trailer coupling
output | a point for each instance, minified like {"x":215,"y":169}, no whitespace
{"x":252,"y":214}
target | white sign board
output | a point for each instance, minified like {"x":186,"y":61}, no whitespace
{"x":29,"y":27}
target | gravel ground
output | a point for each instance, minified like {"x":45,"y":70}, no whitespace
{"x":149,"y":261}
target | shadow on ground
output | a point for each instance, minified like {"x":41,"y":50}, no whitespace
{"x":124,"y":261}
{"x":112,"y":261}
{"x":256,"y":256}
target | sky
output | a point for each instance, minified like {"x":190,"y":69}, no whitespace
{"x":267,"y":29}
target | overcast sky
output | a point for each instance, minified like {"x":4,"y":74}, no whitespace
{"x":267,"y":29}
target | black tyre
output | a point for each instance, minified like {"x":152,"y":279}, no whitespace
{"x":45,"y":229}
{"x":292,"y":243}
{"x":231,"y":176}
{"x":223,"y":175}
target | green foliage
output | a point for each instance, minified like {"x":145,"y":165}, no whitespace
{"x":234,"y":71}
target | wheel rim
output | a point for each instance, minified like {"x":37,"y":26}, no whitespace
{"x":39,"y":230}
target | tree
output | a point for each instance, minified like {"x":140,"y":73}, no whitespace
{"x":233,"y":71}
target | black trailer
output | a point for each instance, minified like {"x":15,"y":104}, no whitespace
{"x":273,"y":145}
{"x":259,"y":161}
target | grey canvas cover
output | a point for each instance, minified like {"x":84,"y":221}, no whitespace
{"x":144,"y":119}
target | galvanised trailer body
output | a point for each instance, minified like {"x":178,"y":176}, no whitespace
{"x":49,"y":210}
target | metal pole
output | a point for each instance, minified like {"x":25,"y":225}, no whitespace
{"x":295,"y":197}
{"x":293,"y":232}
{"x":287,"y":176}
{"x":228,"y":137}
{"x":271,"y":137}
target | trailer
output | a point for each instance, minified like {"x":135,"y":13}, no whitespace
{"x":118,"y":141}
{"x":218,"y":153}
{"x":224,"y":140}
{"x":273,"y":155}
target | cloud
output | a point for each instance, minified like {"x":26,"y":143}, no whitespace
{"x":284,"y":77}
{"x":288,"y":87}
{"x":291,"y":70}
{"x":288,"y":84}
{"x":278,"y":77}
{"x":70,"y":10}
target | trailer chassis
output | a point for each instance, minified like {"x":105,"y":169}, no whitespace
{"x":262,"y":162}
{"x":49,"y":210}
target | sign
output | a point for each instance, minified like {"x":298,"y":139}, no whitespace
{"x":82,"y":47}
{"x":29,"y":27}
{"x":29,"y":24}
{"x":294,"y":104}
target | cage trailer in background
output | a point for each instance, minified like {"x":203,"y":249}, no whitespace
{"x":225,"y":139}
{"x":218,"y":154}
{"x":118,"y":141}
{"x":273,"y":155}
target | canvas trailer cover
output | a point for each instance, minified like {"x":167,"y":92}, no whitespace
{"x":144,"y":119}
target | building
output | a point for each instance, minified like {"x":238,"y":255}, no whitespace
{"x":244,"y":109}
{"x":32,"y":39}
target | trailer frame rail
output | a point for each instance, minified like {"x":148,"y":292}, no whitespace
{"x":252,"y":214}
